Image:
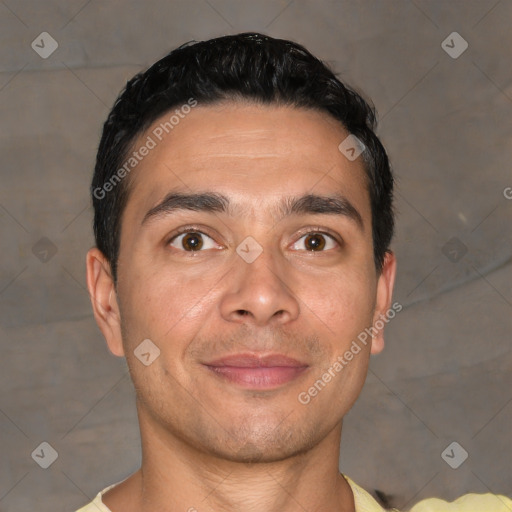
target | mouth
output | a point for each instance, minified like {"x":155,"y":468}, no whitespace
{"x":252,"y":371}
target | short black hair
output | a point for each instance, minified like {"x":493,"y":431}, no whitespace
{"x":248,"y":66}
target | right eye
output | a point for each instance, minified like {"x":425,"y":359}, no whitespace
{"x":192,"y":241}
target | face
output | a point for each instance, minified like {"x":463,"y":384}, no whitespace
{"x":246,"y":257}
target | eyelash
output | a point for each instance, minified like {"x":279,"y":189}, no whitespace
{"x":304,"y":232}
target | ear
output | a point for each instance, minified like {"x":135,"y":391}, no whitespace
{"x":104,"y":299}
{"x":383,"y":304}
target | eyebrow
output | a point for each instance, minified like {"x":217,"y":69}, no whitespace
{"x":212,"y":202}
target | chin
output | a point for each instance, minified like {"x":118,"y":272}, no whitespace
{"x":250,"y":453}
{"x":264,"y":443}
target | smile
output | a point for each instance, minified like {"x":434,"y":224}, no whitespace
{"x":257,"y":372}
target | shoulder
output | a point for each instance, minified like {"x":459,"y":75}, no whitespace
{"x":97,"y":505}
{"x":363,"y":500}
{"x":468,"y":503}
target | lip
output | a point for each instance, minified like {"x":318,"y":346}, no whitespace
{"x":253,"y":371}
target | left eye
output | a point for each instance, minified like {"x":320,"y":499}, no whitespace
{"x":315,"y":242}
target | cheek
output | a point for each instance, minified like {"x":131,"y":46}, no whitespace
{"x":343,"y":301}
{"x":166,"y":307}
{"x":160,"y":308}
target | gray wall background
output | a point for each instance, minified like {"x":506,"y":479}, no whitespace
{"x":446,"y":373}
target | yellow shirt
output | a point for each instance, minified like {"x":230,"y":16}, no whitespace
{"x":366,"y":503}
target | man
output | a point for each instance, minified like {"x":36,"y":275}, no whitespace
{"x":243,"y":216}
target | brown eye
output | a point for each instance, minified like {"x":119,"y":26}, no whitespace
{"x":192,"y":241}
{"x":315,"y":242}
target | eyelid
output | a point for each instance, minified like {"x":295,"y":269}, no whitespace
{"x":195,"y":228}
{"x":190,"y":229}
{"x":331,"y":237}
{"x":322,"y":231}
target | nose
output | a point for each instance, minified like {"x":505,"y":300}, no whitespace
{"x":259,"y":293}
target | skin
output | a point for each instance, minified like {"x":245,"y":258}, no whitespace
{"x":208,"y":443}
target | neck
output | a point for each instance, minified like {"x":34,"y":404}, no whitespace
{"x":176,"y":476}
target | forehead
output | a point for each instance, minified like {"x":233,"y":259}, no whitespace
{"x":252,"y":153}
